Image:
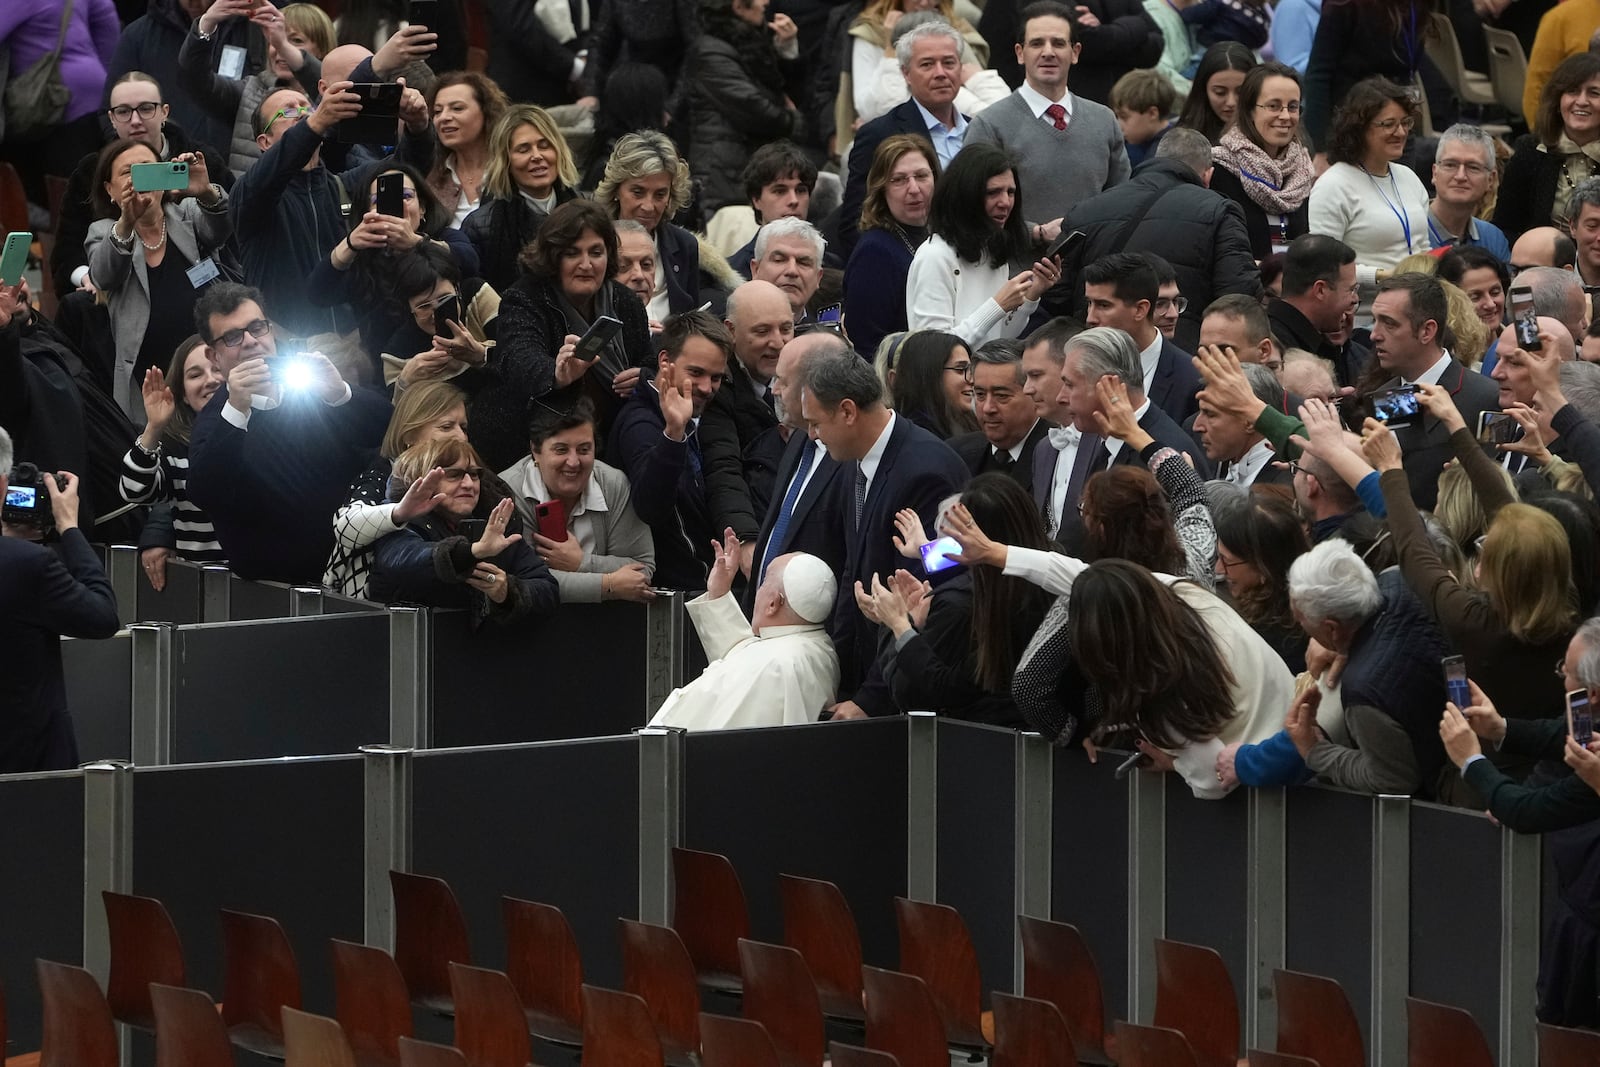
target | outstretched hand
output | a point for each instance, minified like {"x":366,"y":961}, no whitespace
{"x":976,"y":548}
{"x":910,"y":538}
{"x":726,"y":565}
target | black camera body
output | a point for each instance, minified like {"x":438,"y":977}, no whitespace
{"x":28,"y":498}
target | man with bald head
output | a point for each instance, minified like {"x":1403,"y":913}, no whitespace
{"x":1513,"y":373}
{"x":739,"y":433}
{"x":1557,"y":294}
{"x":1543,"y":246}
{"x":778,"y":668}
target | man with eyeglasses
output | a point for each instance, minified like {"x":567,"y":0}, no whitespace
{"x":1319,"y":289}
{"x":287,"y":210}
{"x":1170,"y":301}
{"x":1120,"y":290}
{"x":1543,"y":246}
{"x":272,"y":456}
{"x":1009,"y":428}
{"x":1463,"y":166}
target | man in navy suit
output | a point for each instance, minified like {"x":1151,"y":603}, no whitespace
{"x":1009,"y":429}
{"x":930,"y":59}
{"x":804,"y":514}
{"x":887,"y":463}
{"x":44,"y":595}
{"x":1121,"y":291}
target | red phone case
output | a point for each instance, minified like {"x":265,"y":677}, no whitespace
{"x":552,"y":520}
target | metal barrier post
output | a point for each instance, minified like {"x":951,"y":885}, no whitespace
{"x":1147,"y":888}
{"x":305,"y":600}
{"x":122,"y":567}
{"x":661,"y":812}
{"x":151,"y":725}
{"x":922,"y":805}
{"x":1267,"y":911}
{"x":1520,"y":925}
{"x":1391,"y":928}
{"x":387,"y":841}
{"x":410,"y":678}
{"x":1034,"y":806}
{"x":216,"y":593}
{"x":665,"y":642}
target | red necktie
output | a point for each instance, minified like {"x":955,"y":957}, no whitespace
{"x":1058,"y":115}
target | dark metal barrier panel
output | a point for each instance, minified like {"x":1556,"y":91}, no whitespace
{"x":281,"y":687}
{"x":1089,"y":870}
{"x":1328,"y":891}
{"x":99,"y":677}
{"x":977,"y":842}
{"x":821,"y":801}
{"x":1455,"y":912}
{"x":258,"y":600}
{"x":41,"y":894}
{"x":334,"y":604}
{"x":579,"y":673}
{"x":282,"y":839}
{"x":1207,"y":865}
{"x":178,"y":602}
{"x":557,"y":824}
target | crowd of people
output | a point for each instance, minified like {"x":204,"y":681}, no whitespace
{"x":1144,"y":375}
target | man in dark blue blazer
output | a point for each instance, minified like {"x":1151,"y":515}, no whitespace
{"x":933,"y":76}
{"x":887,"y":463}
{"x":1121,"y":291}
{"x":44,"y":595}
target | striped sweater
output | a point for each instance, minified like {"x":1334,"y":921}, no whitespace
{"x":150,"y":478}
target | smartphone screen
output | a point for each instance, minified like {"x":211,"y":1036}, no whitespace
{"x":1525,"y":319}
{"x":1455,"y":680}
{"x":1497,"y":428}
{"x":391,"y":196}
{"x":14,"y":260}
{"x":936,"y":555}
{"x":1580,"y":722}
{"x":1397,"y":407}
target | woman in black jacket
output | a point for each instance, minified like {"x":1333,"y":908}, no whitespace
{"x":1563,"y":150}
{"x":567,"y":288}
{"x":529,"y":173}
{"x":738,"y":99}
{"x":1262,"y":163}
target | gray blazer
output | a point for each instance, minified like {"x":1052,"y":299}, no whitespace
{"x":620,"y":536}
{"x":196,"y":232}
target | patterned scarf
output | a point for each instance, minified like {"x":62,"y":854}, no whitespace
{"x":1278,"y":186}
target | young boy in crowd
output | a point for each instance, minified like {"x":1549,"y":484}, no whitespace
{"x":1144,"y":102}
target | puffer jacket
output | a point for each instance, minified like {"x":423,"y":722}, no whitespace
{"x":730,"y":116}
{"x":236,"y":101}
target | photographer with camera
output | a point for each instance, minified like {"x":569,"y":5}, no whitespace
{"x":43,"y":596}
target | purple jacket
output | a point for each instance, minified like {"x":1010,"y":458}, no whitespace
{"x":28,"y":28}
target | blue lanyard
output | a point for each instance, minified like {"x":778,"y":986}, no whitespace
{"x":1411,"y":41}
{"x":1405,"y":223}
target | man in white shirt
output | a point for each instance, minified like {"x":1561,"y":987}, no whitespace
{"x":777,"y":669}
{"x":1242,"y":455}
{"x":1121,"y":291}
{"x":1053,"y":459}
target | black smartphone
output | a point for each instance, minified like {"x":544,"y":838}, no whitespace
{"x":1455,"y":680}
{"x":1064,"y":244}
{"x":595,"y":338}
{"x":448,"y":309}
{"x":1580,"y":721}
{"x":1125,"y":768}
{"x":1525,"y":319}
{"x":472,"y":529}
{"x":1397,"y":407}
{"x":379,"y":121}
{"x":424,"y":13}
{"x":390,"y":199}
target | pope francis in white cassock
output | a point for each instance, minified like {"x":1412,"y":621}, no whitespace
{"x":779,"y":668}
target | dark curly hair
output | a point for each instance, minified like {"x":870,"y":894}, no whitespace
{"x":1568,"y":77}
{"x":1347,"y":140}
{"x":561,"y":230}
{"x":1125,"y":514}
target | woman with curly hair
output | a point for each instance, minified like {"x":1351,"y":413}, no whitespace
{"x":465,"y":106}
{"x":1563,"y":150}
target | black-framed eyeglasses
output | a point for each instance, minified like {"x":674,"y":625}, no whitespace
{"x":964,"y":368}
{"x":456,"y":474}
{"x":235,"y":337}
{"x":1296,"y":468}
{"x":124,"y":112}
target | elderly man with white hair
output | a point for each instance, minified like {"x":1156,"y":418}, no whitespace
{"x":777,"y":669}
{"x":1391,"y":687}
{"x":789,"y":255}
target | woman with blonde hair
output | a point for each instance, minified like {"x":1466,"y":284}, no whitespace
{"x":528,"y":173}
{"x":465,"y":106}
{"x":647,"y":181}
{"x":427,"y":411}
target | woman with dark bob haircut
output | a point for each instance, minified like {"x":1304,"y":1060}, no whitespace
{"x":1262,"y":161}
{"x":566,"y":286}
{"x":1258,"y":537}
{"x":1213,"y":102}
{"x":1367,"y":198}
{"x":960,"y":279}
{"x":1563,"y":150}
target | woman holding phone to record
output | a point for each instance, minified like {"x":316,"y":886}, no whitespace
{"x":150,"y":254}
{"x":579,"y":511}
{"x":567,"y":329}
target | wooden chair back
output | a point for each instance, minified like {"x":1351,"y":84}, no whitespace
{"x":817,"y":923}
{"x":657,"y":969}
{"x":936,"y":947}
{"x":189,"y":1032}
{"x":1260,"y":1058}
{"x":903,"y":1020}
{"x":1195,"y":996}
{"x":543,"y":964}
{"x":314,"y":1041}
{"x":430,"y":935}
{"x":1029,"y":1033}
{"x":144,"y":949}
{"x":729,"y":1042}
{"x":618,"y":1030}
{"x":709,"y":913}
{"x":491,"y":1030}
{"x":780,"y":995}
{"x":1315,"y":1019}
{"x":259,"y":979}
{"x":1152,"y":1046}
{"x":1438,"y":1035}
{"x":370,"y":1001}
{"x":414,"y":1053}
{"x":855,"y":1056}
{"x":78,"y":1028}
{"x":1562,"y":1047}
{"x":1057,"y":966}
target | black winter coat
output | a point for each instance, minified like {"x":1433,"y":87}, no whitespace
{"x":526,"y":61}
{"x":1126,"y":39}
{"x":1227,"y":183}
{"x":501,"y":229}
{"x":1528,"y":189}
{"x":731,"y":114}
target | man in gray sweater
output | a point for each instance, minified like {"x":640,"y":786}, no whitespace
{"x":1067,"y":148}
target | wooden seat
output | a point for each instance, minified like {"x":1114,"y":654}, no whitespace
{"x":13,"y":201}
{"x":1029,"y":1033}
{"x":729,"y":1042}
{"x":854,"y":1056}
{"x":902,"y":1019}
{"x":189,"y":1032}
{"x":1195,"y":996}
{"x":1057,"y":966}
{"x":371,"y":1002}
{"x":1438,"y":1035}
{"x":543,"y":964}
{"x":780,"y":995}
{"x":657,"y":969}
{"x":817,"y":923}
{"x":144,"y":948}
{"x":430,"y":934}
{"x":709,"y":913}
{"x":936,"y":947}
{"x":259,"y":979}
{"x":78,"y":1028}
{"x":414,"y":1053}
{"x":1152,"y":1046}
{"x":1260,"y":1058}
{"x":1315,"y":1019}
{"x":491,"y":1029}
{"x":1561,"y":1047}
{"x":314,"y":1041}
{"x":618,"y":1030}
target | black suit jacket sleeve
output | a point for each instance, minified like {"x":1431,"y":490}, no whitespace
{"x":1529,"y":809}
{"x":727,"y":492}
{"x":74,"y":597}
{"x":525,"y":34}
{"x":1126,"y":35}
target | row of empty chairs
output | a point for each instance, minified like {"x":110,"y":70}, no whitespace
{"x":788,"y":994}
